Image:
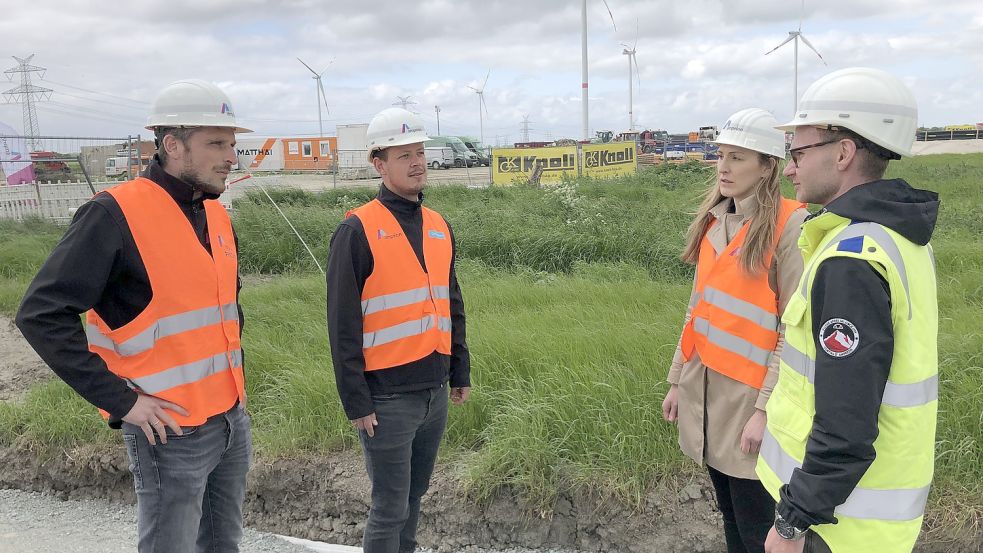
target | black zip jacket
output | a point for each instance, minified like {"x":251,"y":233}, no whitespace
{"x":849,"y":389}
{"x":96,"y":265}
{"x":349,"y":265}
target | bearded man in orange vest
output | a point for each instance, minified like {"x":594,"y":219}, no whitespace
{"x":396,"y":327}
{"x":153,"y":264}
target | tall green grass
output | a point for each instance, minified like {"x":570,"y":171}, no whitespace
{"x":574,"y":296}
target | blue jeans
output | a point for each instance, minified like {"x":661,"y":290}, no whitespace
{"x":399,"y":460}
{"x":190,"y":490}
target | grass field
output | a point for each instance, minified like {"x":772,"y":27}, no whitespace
{"x":574,"y":296}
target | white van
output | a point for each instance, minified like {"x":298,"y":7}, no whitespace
{"x":439,"y":157}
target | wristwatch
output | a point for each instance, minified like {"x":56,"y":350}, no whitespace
{"x":785,"y":529}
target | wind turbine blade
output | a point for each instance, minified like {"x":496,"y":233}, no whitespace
{"x":474,"y":89}
{"x":638,"y":76}
{"x":784,"y":42}
{"x":326,"y":67}
{"x":611,"y":15}
{"x":483,"y":104}
{"x":811,"y":47}
{"x":307,"y":66}
{"x":324,"y":96}
{"x":634,"y":44}
{"x":486,"y":80}
{"x":802,"y":11}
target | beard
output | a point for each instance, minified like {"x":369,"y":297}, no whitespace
{"x":194,"y":180}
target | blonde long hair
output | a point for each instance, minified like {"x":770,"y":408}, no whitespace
{"x":760,"y":237}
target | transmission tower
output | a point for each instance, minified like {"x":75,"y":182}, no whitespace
{"x":26,"y":94}
{"x":404,"y":101}
{"x":525,"y":128}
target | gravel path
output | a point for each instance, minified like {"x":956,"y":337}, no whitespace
{"x":32,"y":522}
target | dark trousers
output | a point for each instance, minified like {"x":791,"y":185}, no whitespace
{"x":190,"y":490}
{"x":748,"y":511}
{"x":399,"y":460}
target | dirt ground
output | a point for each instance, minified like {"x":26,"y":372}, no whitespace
{"x":20,"y":367}
{"x":324,"y":497}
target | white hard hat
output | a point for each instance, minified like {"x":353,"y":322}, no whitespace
{"x":872,"y":103}
{"x":754,"y":129}
{"x":394,"y":127}
{"x":192,"y":103}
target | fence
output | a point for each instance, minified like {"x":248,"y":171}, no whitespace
{"x":961,"y":134}
{"x":69,"y":158}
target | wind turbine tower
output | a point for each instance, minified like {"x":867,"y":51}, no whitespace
{"x":481,"y":105}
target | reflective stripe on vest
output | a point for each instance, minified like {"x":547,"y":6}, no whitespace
{"x":187,"y":373}
{"x":913,"y":394}
{"x":399,"y":299}
{"x":741,"y":308}
{"x":166,"y":326}
{"x":404,"y":330}
{"x":863,"y":503}
{"x":731,"y":343}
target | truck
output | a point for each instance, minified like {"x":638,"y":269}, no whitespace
{"x":117,"y":166}
{"x":49,"y":163}
{"x":478,"y":148}
{"x":439,"y":157}
{"x":462,"y":155}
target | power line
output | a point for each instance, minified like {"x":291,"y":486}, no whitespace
{"x":99,"y":93}
{"x":114,"y":104}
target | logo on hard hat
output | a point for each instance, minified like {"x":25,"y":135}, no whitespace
{"x":728,"y":125}
{"x":226,"y":108}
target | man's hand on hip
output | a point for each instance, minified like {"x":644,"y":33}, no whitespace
{"x":149,"y":413}
{"x":460,"y":395}
{"x":366,"y":423}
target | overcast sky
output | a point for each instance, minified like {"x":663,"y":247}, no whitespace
{"x":699,"y":60}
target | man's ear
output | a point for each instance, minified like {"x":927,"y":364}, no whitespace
{"x":379,"y":165}
{"x":172,"y":146}
{"x":846,"y":154}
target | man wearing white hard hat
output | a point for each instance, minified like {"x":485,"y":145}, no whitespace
{"x":396,"y":328}
{"x":850,"y":443}
{"x":152,"y":263}
{"x":743,"y":241}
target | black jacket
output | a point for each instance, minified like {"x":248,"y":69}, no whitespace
{"x":849,"y":389}
{"x":96,"y":265}
{"x":349,"y":265}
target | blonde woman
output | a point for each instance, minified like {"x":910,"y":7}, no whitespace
{"x":743,"y":242}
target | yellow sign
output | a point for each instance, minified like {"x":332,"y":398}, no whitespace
{"x":517,"y":165}
{"x":609,"y":160}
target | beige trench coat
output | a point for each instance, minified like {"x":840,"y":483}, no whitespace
{"x":713,"y":408}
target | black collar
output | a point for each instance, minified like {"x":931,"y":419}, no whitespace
{"x":397,"y":203}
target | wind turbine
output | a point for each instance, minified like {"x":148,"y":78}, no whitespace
{"x":632,"y":60}
{"x":583,"y":61}
{"x":481,"y":105}
{"x":796,"y":36}
{"x":321,"y":97}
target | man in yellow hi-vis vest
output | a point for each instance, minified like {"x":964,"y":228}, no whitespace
{"x":849,"y":447}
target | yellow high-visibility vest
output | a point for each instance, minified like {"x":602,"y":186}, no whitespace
{"x":884,"y":511}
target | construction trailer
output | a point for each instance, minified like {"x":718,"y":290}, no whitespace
{"x":353,"y":151}
{"x":286,"y":154}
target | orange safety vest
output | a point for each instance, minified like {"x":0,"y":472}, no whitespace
{"x":184,"y":346}
{"x":734,"y":324}
{"x":406,"y":313}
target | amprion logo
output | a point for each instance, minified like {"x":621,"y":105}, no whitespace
{"x":226,"y":108}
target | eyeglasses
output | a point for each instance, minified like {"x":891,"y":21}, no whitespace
{"x":796,"y":153}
